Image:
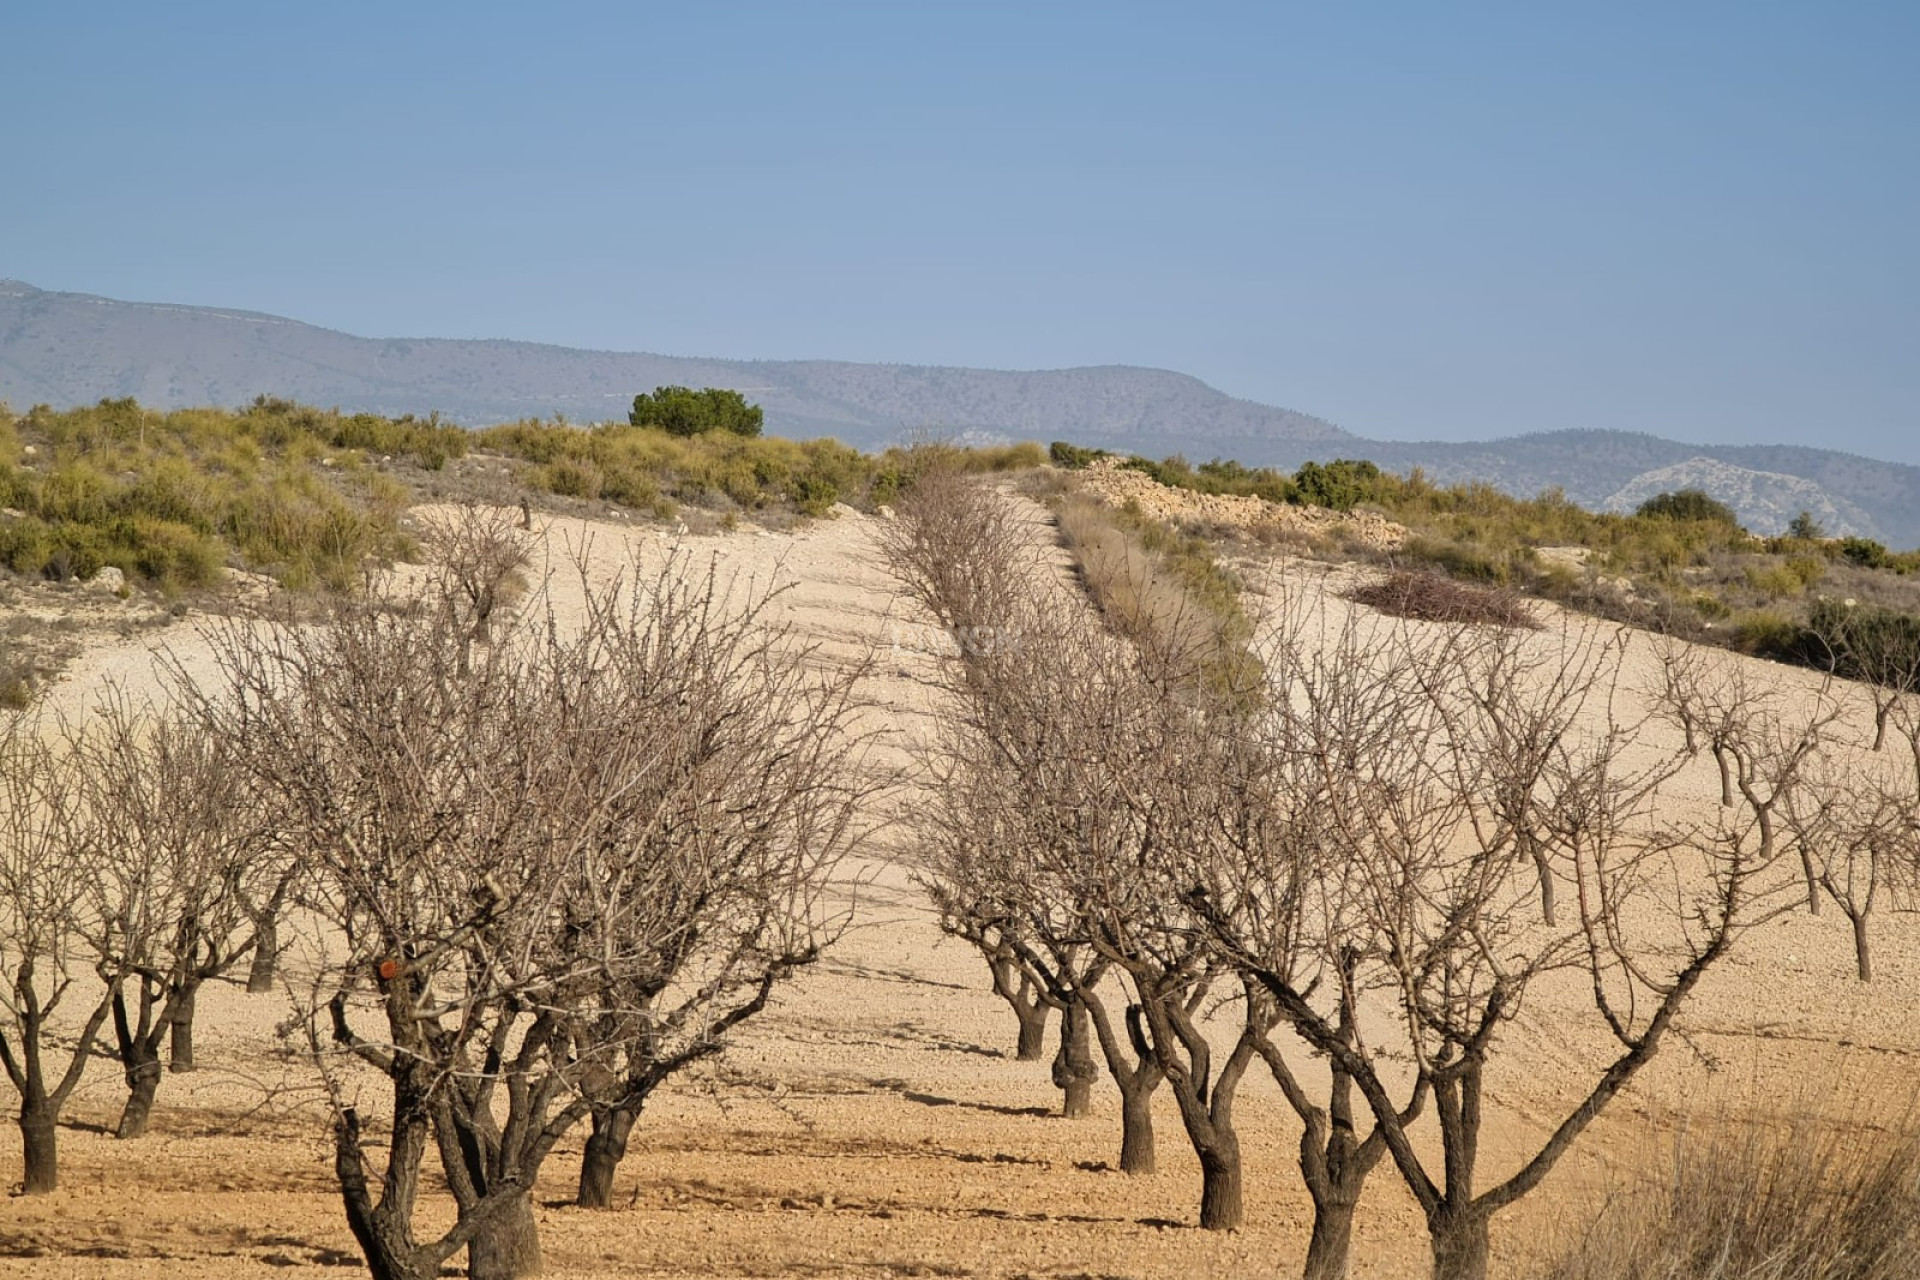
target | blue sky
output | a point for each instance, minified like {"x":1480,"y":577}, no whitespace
{"x":1419,"y":220}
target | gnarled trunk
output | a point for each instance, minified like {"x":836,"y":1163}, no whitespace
{"x":507,"y":1245}
{"x":1074,"y":1070}
{"x":40,"y":1145}
{"x":180,"y":1030}
{"x":1332,"y":1241}
{"x":384,"y":1235}
{"x":1032,"y":1045}
{"x":1136,"y":1125}
{"x":1460,"y":1246}
{"x":266,"y":957}
{"x":143,"y":1081}
{"x":1220,"y":1184}
{"x":606,"y":1147}
{"x":1863,"y":957}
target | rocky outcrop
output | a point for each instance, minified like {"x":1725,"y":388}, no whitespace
{"x":1112,"y":481}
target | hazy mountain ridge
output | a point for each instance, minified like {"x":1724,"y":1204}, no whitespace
{"x":63,"y":348}
{"x":68,"y":348}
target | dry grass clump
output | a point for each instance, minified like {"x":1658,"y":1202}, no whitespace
{"x":1160,"y":591}
{"x":1795,"y":1198}
{"x":1433,"y":597}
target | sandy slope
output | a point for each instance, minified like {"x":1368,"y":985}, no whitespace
{"x":874,"y":1124}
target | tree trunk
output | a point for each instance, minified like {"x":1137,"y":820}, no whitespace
{"x":143,"y":1081}
{"x":180,"y":1032}
{"x":266,"y":956}
{"x":1460,"y":1247}
{"x":38,"y":1139}
{"x":1074,"y":1069}
{"x":606,"y":1147}
{"x":1220,"y":1199}
{"x":1545,"y":870}
{"x":1136,"y":1128}
{"x":1332,"y":1239}
{"x":1033,"y":1033}
{"x":507,"y":1246}
{"x":1862,"y":958}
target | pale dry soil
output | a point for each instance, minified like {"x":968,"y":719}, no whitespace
{"x":873,"y":1123}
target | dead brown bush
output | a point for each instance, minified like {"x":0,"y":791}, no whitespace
{"x":1433,"y":597}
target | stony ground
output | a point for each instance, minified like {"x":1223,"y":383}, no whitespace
{"x":874,"y":1124}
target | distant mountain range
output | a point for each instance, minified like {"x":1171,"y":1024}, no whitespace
{"x":70,"y":348}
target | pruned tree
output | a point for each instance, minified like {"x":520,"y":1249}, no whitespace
{"x":958,"y":864}
{"x":1269,"y":867}
{"x":959,"y":554}
{"x":1124,"y":789}
{"x":50,"y":902}
{"x":1429,"y":914}
{"x":960,"y":551}
{"x":178,"y":867}
{"x":1878,"y":647}
{"x":716,"y":878}
{"x":531,"y":858}
{"x":1859,"y":831}
{"x":1759,"y":735}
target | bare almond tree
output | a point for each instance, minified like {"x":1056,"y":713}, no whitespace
{"x":540,"y":907}
{"x":50,"y":901}
{"x":176,"y":861}
{"x":1880,"y":648}
{"x":960,"y":556}
{"x":981,"y":833}
{"x":1860,"y":833}
{"x":1758,"y":737}
{"x":1270,"y":868}
{"x":968,"y":847}
{"x":717,"y":879}
{"x":1429,"y":913}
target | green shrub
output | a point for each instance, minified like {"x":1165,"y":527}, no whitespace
{"x":1865,"y":642}
{"x":1805,"y":528}
{"x":682,"y":411}
{"x":1787,"y":578}
{"x":1766,"y":634}
{"x":1459,"y":560}
{"x":1866,"y":553}
{"x":1072,"y":457}
{"x":1688,"y":504}
{"x":570,"y":478}
{"x":1340,"y":485}
{"x":813,"y":494}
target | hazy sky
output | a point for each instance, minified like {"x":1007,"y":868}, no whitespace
{"x":1415,"y":219}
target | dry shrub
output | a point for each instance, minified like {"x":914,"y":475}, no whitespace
{"x":1433,"y":597}
{"x":1794,"y":1198}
